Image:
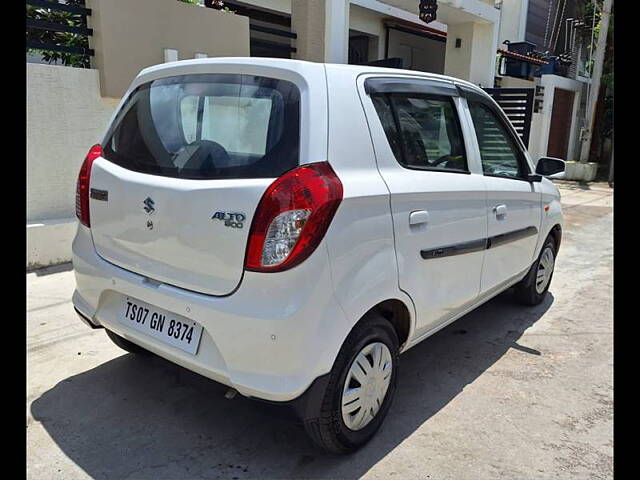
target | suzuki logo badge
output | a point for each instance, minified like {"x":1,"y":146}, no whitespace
{"x":149,"y":205}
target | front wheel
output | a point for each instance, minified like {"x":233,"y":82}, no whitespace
{"x":361,"y":387}
{"x":533,"y":288}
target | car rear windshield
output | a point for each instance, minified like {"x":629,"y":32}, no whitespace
{"x":208,"y":126}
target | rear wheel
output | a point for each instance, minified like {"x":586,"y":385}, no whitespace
{"x":533,"y":288}
{"x":125,"y":344}
{"x":361,"y":387}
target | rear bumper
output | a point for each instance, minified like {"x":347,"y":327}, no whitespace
{"x":269,"y":340}
{"x":87,"y":321}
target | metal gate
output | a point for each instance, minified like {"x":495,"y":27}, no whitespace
{"x":517,"y":104}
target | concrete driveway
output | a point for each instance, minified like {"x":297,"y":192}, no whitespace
{"x":504,"y":392}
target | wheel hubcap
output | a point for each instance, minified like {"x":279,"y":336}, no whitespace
{"x":545,"y":269}
{"x":366,"y":385}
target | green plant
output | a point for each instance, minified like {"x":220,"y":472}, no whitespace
{"x":603,"y":122}
{"x":215,"y":4}
{"x":59,"y":38}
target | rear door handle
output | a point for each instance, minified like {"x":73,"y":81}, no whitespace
{"x":418,"y":217}
{"x":500,"y":211}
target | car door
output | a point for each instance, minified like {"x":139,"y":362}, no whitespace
{"x":513,"y":201}
{"x":437,"y":199}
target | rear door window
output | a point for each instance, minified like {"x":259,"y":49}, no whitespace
{"x":498,"y":150}
{"x":208,"y":126}
{"x":423,"y":130}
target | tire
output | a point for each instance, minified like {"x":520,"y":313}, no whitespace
{"x":125,"y":344}
{"x":328,"y":429}
{"x":527,"y":291}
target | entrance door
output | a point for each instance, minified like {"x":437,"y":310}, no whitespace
{"x":560,"y":123}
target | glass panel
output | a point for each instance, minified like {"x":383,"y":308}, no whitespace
{"x":429,"y":134}
{"x":208,"y":126}
{"x":498,"y":152}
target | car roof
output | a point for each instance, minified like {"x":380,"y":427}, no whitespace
{"x":156,"y":71}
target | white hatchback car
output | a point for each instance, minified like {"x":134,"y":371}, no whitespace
{"x":289,"y":228}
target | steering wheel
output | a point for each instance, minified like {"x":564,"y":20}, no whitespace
{"x":208,"y":157}
{"x":440,"y":160}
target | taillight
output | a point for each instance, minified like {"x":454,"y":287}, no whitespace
{"x":292,"y":217}
{"x":82,"y":187}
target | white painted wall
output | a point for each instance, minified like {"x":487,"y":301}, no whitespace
{"x":379,"y":9}
{"x":451,"y":12}
{"x":390,"y":11}
{"x":475,"y":21}
{"x":65,"y":116}
{"x":475,"y":59}
{"x":365,"y":16}
{"x":336,"y":34}
{"x":369,"y":22}
{"x":513,"y":21}
{"x":366,"y":21}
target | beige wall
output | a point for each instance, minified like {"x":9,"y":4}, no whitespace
{"x":308,"y":22}
{"x":513,"y":82}
{"x":129,"y":35}
{"x":65,"y":116}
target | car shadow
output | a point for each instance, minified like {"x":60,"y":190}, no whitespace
{"x":574,"y":185}
{"x":146,"y":418}
{"x":43,"y":271}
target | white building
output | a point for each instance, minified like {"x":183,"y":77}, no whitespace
{"x":461,"y":42}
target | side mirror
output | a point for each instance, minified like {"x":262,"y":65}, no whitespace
{"x":551,"y":167}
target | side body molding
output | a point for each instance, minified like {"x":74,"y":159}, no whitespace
{"x":479,"y":245}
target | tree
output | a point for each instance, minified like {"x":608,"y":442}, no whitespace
{"x":603,"y":121}
{"x":59,"y":38}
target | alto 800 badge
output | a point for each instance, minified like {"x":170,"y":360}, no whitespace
{"x":232,"y":220}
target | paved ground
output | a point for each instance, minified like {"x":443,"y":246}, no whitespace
{"x":502,"y":393}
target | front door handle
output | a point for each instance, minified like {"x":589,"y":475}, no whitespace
{"x":418,"y":217}
{"x":500,"y":211}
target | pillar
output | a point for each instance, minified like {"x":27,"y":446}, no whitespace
{"x":322,"y":27}
{"x":475,"y":59}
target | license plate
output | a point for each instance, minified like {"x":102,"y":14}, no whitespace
{"x":167,"y":327}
